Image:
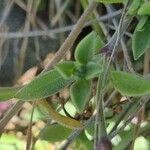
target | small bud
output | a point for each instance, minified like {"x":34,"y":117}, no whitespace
{"x":104,"y":144}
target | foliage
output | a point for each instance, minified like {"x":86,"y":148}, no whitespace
{"x":79,"y":77}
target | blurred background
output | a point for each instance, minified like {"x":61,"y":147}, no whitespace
{"x":31,"y":31}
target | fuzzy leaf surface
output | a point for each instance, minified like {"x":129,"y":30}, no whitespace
{"x":129,"y":84}
{"x":80,"y":93}
{"x":88,"y":47}
{"x":93,"y":70}
{"x":141,"y":39}
{"x":65,"y":68}
{"x":7,"y":93}
{"x":55,"y":133}
{"x":43,"y":86}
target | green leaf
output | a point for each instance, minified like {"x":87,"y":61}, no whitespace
{"x":70,"y":109}
{"x":134,"y":7}
{"x":126,"y":137}
{"x":141,"y":23}
{"x":80,"y":94}
{"x":43,"y":86}
{"x":82,"y":142}
{"x":93,"y":70}
{"x":141,"y":143}
{"x":7,"y":93}
{"x":144,"y":9}
{"x":129,"y":84}
{"x":110,"y":1}
{"x":65,"y":68}
{"x":55,"y":133}
{"x":88,"y":47}
{"x":80,"y":70}
{"x":13,"y":141}
{"x":141,"y":40}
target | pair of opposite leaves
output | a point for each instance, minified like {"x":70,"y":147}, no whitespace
{"x":77,"y":73}
{"x":55,"y":80}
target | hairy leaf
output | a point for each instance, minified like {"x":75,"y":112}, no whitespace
{"x":144,"y":9}
{"x":93,"y":70}
{"x":88,"y":47}
{"x":7,"y":93}
{"x":80,"y":94}
{"x":55,"y":133}
{"x":43,"y":86}
{"x":129,"y":84}
{"x":65,"y":68}
{"x":141,"y":40}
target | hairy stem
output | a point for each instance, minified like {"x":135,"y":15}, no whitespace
{"x":58,"y":56}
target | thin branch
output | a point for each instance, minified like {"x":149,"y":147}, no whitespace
{"x":100,"y":128}
{"x":72,"y":36}
{"x":60,"y":12}
{"x":58,"y":56}
{"x":6,"y":11}
{"x":29,"y":133}
{"x":12,"y":111}
{"x":110,"y":9}
{"x":141,"y":104}
{"x":76,"y":133}
{"x":11,"y":35}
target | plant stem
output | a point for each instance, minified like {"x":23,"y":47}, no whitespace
{"x":100,"y":132}
{"x":48,"y":32}
{"x":76,"y":133}
{"x":142,"y":102}
{"x":72,"y":36}
{"x":10,"y":114}
{"x":58,"y":56}
{"x":29,"y":131}
{"x":100,"y":127}
{"x":95,"y":25}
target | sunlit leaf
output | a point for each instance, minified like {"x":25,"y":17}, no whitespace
{"x":55,"y":133}
{"x":141,"y":40}
{"x":144,"y":9}
{"x":141,"y":143}
{"x":128,"y":135}
{"x":80,"y":93}
{"x":70,"y":109}
{"x":63,"y":120}
{"x":134,"y":7}
{"x":65,"y":68}
{"x":129,"y":84}
{"x":43,"y":86}
{"x":7,"y":93}
{"x":11,"y":141}
{"x":87,"y":47}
